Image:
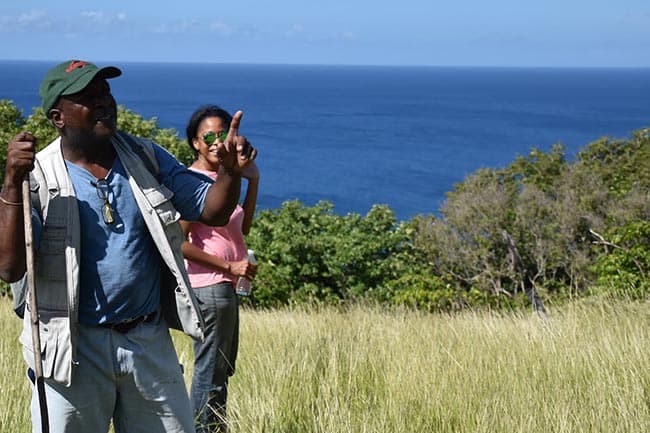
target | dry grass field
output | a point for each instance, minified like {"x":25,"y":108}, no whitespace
{"x":586,"y":368}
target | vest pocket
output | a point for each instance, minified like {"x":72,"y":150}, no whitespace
{"x":160,"y":199}
{"x":56,"y":352}
{"x":51,"y":252}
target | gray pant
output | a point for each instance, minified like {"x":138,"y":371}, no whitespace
{"x":214,"y":359}
{"x":134,"y":379}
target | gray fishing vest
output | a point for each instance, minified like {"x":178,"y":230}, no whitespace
{"x":57,"y":260}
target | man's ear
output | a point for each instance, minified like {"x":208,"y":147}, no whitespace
{"x":56,"y":117}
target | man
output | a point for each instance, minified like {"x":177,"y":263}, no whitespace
{"x":105,"y":214}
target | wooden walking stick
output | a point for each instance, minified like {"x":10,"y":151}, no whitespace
{"x":33,"y":306}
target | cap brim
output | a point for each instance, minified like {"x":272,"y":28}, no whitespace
{"x":105,"y":72}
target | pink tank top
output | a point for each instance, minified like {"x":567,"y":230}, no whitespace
{"x":226,"y":242}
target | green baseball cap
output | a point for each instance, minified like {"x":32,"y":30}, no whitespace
{"x":71,"y":77}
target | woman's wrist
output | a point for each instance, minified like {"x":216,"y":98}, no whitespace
{"x":252,"y":179}
{"x":229,"y":171}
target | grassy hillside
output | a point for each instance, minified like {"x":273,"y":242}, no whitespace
{"x":584,"y":369}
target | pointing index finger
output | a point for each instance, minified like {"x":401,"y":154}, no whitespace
{"x":234,"y":125}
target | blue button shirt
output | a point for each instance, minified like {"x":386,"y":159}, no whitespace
{"x":119,"y":262}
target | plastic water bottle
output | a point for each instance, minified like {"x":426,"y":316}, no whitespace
{"x":243,"y":287}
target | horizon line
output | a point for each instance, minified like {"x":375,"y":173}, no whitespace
{"x":379,"y":65}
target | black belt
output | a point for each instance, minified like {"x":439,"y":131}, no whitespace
{"x":125,"y":327}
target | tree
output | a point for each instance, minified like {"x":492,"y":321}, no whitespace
{"x":530,"y":225}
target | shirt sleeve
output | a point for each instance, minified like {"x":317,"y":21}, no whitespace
{"x":189,"y":188}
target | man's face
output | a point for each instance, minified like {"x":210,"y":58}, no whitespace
{"x":91,"y":112}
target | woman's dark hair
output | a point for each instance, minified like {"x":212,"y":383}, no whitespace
{"x":203,"y":113}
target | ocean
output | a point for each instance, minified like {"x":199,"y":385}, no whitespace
{"x":363,"y":135}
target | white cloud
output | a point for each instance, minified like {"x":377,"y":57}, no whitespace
{"x":200,"y":27}
{"x":295,"y":30}
{"x":98,"y":22}
{"x":27,"y":21}
{"x":189,"y":26}
{"x":94,"y":16}
{"x":32,"y":17}
{"x":222,"y":28}
{"x":103,"y":18}
{"x":85,"y":22}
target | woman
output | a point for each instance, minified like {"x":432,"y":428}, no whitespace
{"x":216,"y":257}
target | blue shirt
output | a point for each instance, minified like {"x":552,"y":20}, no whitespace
{"x":119,"y":262}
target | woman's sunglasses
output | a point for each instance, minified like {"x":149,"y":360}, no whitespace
{"x":210,"y":137}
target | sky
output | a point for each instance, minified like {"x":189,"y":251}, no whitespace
{"x":545,"y":33}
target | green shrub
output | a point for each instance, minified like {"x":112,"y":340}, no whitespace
{"x":310,"y":254}
{"x":531,"y":224}
{"x":11,"y":122}
{"x":623,"y":268}
{"x":541,"y":225}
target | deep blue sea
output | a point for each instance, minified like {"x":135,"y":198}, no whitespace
{"x":361,"y":135}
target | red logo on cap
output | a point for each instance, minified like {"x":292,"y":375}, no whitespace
{"x":75,"y":64}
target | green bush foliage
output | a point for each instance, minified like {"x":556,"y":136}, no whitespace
{"x":168,"y":138}
{"x":11,"y":122}
{"x":4,"y":289}
{"x":623,"y":268}
{"x":533,"y":227}
{"x":542,"y":227}
{"x":311,"y":255}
